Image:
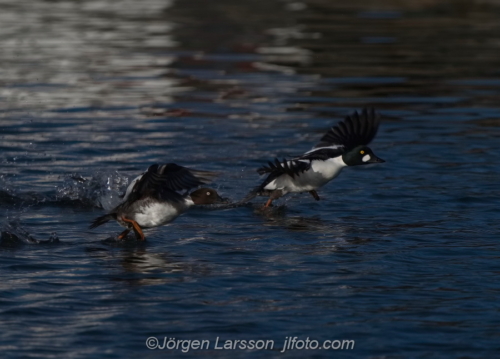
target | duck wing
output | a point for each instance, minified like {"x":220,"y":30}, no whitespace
{"x":355,"y":130}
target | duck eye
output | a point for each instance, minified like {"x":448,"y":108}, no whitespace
{"x":208,"y":193}
{"x":362,"y":152}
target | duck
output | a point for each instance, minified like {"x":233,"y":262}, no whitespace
{"x":344,"y":145}
{"x":153,"y":198}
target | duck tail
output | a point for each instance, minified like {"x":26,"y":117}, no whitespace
{"x":102,"y":219}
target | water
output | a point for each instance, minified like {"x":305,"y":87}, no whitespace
{"x":400,"y":257}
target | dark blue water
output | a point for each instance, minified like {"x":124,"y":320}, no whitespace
{"x":401,"y":257}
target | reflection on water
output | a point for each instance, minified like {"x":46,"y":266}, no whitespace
{"x":141,"y":266}
{"x":399,"y":257}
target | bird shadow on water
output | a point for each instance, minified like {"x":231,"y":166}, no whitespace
{"x":282,"y":216}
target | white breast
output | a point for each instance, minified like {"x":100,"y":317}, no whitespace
{"x":328,"y":169}
{"x":158,"y":213}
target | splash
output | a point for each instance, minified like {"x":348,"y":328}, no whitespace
{"x":103,"y":189}
{"x":13,"y":235}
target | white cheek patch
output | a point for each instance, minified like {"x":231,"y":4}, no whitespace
{"x":366,"y":158}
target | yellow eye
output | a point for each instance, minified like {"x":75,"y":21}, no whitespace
{"x":362,"y":152}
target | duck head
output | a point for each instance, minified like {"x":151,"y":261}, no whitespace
{"x":205,"y":196}
{"x":361,"y":155}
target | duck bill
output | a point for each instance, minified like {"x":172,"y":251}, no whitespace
{"x":375,"y":159}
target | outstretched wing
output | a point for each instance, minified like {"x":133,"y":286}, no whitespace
{"x":162,"y":181}
{"x":292,"y":168}
{"x":355,"y":130}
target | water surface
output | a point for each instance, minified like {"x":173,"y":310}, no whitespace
{"x":400,"y":257}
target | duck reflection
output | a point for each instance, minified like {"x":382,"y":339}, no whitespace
{"x":325,"y":235}
{"x":280,"y":216}
{"x":143,"y":266}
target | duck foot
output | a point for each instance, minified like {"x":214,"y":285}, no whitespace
{"x":269,"y":203}
{"x":137,"y":229}
{"x":123,"y":234}
{"x":314,"y":194}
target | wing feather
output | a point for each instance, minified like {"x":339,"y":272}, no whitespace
{"x":278,"y":168}
{"x":355,"y":130}
{"x":163,"y":181}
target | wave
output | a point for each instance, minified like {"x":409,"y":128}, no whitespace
{"x":101,"y":190}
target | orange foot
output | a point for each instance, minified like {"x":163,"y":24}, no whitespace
{"x":268,"y":203}
{"x":137,"y":229}
{"x":123,"y":234}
